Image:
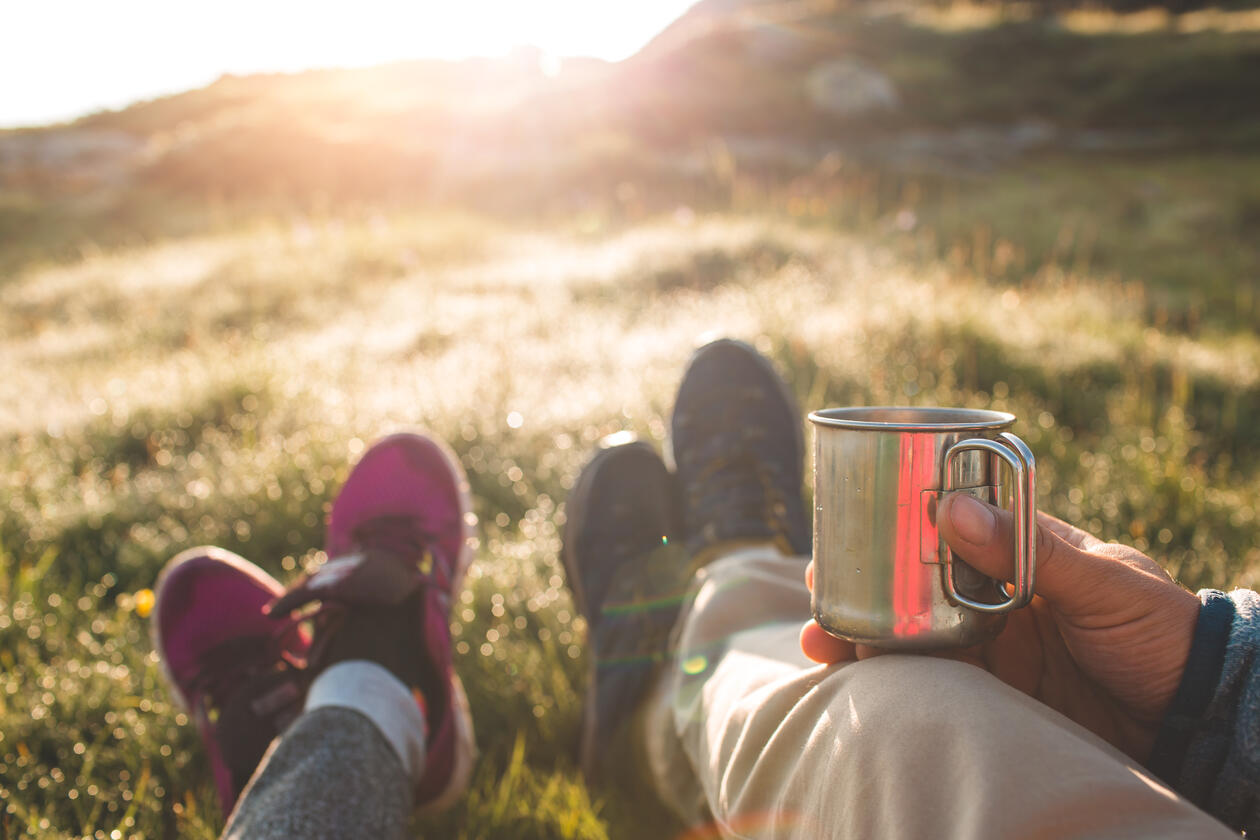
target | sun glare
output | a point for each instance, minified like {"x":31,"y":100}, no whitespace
{"x":74,"y":56}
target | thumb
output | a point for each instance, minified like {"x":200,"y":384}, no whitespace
{"x":1069,"y":578}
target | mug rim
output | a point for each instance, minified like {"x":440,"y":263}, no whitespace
{"x":933,"y":418}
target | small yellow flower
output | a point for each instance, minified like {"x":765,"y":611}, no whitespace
{"x":144,"y":602}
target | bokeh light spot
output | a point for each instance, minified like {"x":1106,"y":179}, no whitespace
{"x":695,"y":665}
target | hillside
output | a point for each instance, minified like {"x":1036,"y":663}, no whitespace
{"x":781,"y":83}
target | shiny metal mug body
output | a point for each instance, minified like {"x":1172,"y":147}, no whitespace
{"x":883,"y":575}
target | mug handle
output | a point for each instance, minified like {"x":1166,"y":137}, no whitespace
{"x":1019,"y":458}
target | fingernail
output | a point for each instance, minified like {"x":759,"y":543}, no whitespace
{"x":973,"y":520}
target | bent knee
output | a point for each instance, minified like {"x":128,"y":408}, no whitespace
{"x":904,"y":691}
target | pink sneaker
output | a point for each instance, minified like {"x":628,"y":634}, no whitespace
{"x":228,"y":665}
{"x":398,"y":547}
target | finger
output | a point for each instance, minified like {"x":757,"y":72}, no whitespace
{"x":821,"y":646}
{"x":982,"y":534}
{"x":809,"y":576}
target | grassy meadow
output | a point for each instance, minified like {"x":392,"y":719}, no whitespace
{"x":212,"y":380}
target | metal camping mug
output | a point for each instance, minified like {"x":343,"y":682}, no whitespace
{"x":883,"y":575}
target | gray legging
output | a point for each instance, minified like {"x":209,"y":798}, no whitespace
{"x":332,"y":774}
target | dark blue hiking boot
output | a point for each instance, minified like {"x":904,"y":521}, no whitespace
{"x":627,"y":570}
{"x":739,"y":454}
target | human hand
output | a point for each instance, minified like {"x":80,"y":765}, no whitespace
{"x":1104,"y":640}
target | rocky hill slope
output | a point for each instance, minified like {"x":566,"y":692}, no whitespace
{"x":772,"y":85}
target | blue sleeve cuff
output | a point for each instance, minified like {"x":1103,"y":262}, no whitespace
{"x":1198,"y":685}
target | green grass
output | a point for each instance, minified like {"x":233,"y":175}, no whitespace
{"x":1178,"y":229}
{"x":215,"y":389}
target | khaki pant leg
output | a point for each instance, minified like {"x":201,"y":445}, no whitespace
{"x":893,"y":747}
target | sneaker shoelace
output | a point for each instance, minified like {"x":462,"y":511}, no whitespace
{"x":225,"y":668}
{"x":393,"y":538}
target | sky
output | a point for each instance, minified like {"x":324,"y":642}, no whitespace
{"x":60,"y":59}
